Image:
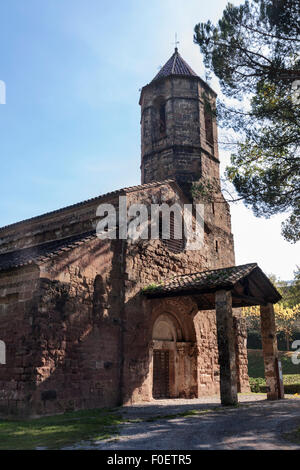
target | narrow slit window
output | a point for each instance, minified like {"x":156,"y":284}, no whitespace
{"x":162,"y":118}
{"x":209,"y":127}
{"x":217,"y":246}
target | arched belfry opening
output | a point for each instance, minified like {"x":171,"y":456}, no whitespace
{"x":159,"y":118}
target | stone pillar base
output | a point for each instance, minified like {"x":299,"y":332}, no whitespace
{"x":270,"y":352}
{"x":226,"y":347}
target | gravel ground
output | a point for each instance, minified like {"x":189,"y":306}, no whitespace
{"x":255,"y":424}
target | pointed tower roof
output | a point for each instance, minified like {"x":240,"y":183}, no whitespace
{"x":175,"y":66}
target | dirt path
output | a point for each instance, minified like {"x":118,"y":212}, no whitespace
{"x":255,"y":424}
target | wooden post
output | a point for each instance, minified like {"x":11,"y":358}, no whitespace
{"x":270,"y":352}
{"x":226,"y":347}
{"x":279,"y":379}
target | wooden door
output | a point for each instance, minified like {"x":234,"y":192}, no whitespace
{"x":161,"y":366}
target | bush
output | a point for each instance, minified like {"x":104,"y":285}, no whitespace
{"x":254,"y":340}
{"x":256,"y":364}
{"x":256,"y":383}
{"x":292,"y":388}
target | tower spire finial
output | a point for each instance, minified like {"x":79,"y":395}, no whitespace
{"x":176,"y":43}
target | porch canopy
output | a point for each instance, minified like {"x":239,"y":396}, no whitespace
{"x":224,"y":289}
{"x":247,"y":283}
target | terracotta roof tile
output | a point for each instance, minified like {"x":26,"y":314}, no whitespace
{"x":87,"y":201}
{"x":205,"y":280}
{"x":175,"y":66}
{"x":41,"y":253}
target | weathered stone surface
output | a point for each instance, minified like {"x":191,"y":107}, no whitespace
{"x":226,"y":348}
{"x":78,"y":332}
{"x":181,"y":150}
{"x":270,"y":352}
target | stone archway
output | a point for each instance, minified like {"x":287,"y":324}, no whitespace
{"x":172,"y":359}
{"x":164,"y":337}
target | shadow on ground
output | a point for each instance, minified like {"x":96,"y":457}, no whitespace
{"x":252,"y":425}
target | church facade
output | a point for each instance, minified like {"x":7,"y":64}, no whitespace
{"x":90,"y":322}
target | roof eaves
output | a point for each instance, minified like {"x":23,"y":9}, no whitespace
{"x":235,"y":273}
{"x":67,"y":244}
{"x":87,"y":201}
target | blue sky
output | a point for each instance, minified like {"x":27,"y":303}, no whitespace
{"x":70,"y":126}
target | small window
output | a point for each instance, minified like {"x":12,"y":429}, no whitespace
{"x":213,"y":208}
{"x":208,"y":127}
{"x":217,"y":246}
{"x":173,"y":243}
{"x":162,"y":118}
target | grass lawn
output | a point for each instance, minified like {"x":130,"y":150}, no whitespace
{"x":54,"y":432}
{"x":291,"y":372}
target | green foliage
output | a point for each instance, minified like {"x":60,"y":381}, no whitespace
{"x":291,"y":372}
{"x":256,"y":384}
{"x":254,"y":340}
{"x":204,"y":190}
{"x":287,"y":312}
{"x":254,"y":51}
{"x":256,"y":364}
{"x":292,"y":293}
{"x":151,"y":287}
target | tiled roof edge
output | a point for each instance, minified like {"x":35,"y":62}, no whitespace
{"x":87,"y":201}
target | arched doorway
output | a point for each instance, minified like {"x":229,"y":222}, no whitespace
{"x":173,"y":352}
{"x":171,"y":364}
{"x":164,"y":342}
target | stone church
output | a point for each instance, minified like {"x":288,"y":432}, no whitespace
{"x":89,"y":322}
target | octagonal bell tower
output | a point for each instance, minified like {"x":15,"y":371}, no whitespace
{"x":178,"y":129}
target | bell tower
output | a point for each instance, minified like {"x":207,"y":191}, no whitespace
{"x":178,"y":127}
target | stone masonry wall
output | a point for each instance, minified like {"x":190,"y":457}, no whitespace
{"x":182,"y":150}
{"x":18,"y":375}
{"x":150,"y":262}
{"x":78,"y":330}
{"x":63,"y":343}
